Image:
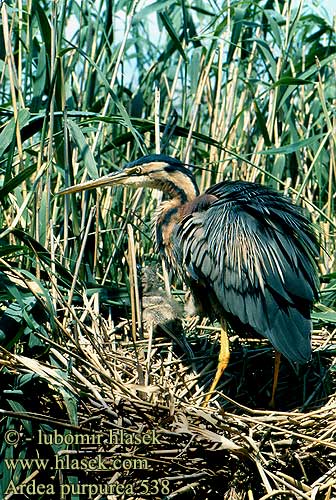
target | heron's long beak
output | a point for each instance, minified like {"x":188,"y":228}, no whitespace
{"x":106,"y":180}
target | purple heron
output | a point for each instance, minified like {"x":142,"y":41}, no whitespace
{"x":246,"y":252}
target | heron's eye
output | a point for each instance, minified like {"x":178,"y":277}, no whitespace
{"x":138,"y":170}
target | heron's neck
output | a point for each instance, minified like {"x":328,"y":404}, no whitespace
{"x":181,"y":190}
{"x":166,"y":218}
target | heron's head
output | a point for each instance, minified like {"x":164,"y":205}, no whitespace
{"x":154,"y":171}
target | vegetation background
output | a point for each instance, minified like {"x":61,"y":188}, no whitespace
{"x":241,"y":90}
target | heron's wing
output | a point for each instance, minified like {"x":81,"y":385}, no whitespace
{"x":254,"y":251}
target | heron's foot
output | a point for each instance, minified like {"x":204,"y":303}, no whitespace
{"x":223,"y":361}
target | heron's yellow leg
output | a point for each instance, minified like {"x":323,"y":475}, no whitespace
{"x":275,"y":377}
{"x":223,"y":361}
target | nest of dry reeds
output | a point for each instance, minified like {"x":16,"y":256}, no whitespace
{"x":139,"y":395}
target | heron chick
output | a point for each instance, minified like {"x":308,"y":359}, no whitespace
{"x":158,"y":307}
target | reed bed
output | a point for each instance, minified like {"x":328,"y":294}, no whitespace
{"x":238,"y":90}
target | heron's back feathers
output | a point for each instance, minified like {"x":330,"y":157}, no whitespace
{"x":252,"y":253}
